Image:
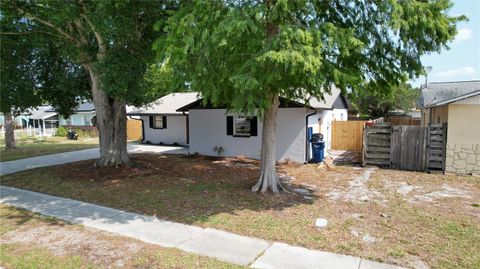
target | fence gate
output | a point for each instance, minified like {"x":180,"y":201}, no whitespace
{"x":134,"y":129}
{"x":436,"y":147}
{"x":376,"y":144}
{"x":402,"y":147}
{"x":347,"y":135}
{"x":408,"y":145}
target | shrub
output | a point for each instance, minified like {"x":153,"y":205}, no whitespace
{"x":219,"y":150}
{"x":61,"y":131}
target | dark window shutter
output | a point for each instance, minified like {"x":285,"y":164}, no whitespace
{"x":164,"y":120}
{"x":150,"y":118}
{"x":253,"y":126}
{"x":229,"y":125}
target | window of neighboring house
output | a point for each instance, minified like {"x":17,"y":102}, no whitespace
{"x":241,"y":126}
{"x":68,"y":121}
{"x":87,"y":121}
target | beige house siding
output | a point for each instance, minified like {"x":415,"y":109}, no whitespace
{"x":439,"y":115}
{"x":463,"y":138}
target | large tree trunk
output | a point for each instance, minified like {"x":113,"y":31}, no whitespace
{"x":9,"y":131}
{"x":268,"y":179}
{"x":111,"y":122}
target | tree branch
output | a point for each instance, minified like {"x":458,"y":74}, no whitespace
{"x":47,"y":23}
{"x":29,"y":33}
{"x":101,"y":44}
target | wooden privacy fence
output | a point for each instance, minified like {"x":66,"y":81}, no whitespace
{"x":403,"y":121}
{"x":407,"y":148}
{"x":413,"y":148}
{"x":134,"y":129}
{"x":347,"y":135}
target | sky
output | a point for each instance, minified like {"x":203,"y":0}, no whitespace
{"x":462,"y":60}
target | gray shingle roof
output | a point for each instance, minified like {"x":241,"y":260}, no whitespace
{"x":82,"y":107}
{"x":441,"y":93}
{"x":328,"y":102}
{"x":88,"y":106}
{"x":41,"y":112}
{"x":167,"y":104}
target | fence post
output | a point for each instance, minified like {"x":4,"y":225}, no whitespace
{"x":364,"y":145}
{"x":444,"y":146}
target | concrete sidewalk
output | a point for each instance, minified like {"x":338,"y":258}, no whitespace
{"x":80,"y":155}
{"x":222,"y":245}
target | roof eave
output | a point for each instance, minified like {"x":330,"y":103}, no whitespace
{"x":458,"y":98}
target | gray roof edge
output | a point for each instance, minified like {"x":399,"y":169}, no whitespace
{"x":456,"y":98}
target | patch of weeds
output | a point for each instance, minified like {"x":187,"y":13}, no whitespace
{"x":347,"y":224}
{"x":475,"y":205}
{"x":350,"y":247}
{"x":319,"y":238}
{"x":456,"y":229}
{"x":397,"y":252}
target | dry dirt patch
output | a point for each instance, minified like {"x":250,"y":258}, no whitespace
{"x":29,"y":240}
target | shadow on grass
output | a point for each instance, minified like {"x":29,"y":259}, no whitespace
{"x":187,"y":189}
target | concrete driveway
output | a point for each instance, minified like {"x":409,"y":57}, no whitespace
{"x":80,"y":155}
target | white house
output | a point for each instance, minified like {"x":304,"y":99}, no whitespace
{"x":162,"y":123}
{"x":82,"y":116}
{"x":183,"y":119}
{"x":212,"y":129}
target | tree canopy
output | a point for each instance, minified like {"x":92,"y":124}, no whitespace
{"x":376,"y":103}
{"x":245,"y":54}
{"x":33,"y":72}
{"x":109,"y":44}
{"x":220,"y":47}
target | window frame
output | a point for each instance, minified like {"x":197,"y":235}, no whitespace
{"x":87,"y":121}
{"x":154,"y":122}
{"x":248,"y":125}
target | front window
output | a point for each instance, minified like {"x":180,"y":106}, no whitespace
{"x":158,"y":122}
{"x":242,"y":126}
{"x":87,"y":121}
{"x":69,"y":121}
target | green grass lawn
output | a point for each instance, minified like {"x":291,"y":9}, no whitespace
{"x":30,"y":147}
{"x":30,"y":240}
{"x":414,"y":217}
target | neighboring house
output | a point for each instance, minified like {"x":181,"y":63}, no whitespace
{"x":162,"y":123}
{"x":46,"y":116}
{"x":458,"y":105}
{"x":212,"y":129}
{"x":43,"y":117}
{"x":82,"y":116}
{"x":21,"y":121}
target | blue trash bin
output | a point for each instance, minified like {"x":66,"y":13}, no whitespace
{"x":318,"y":151}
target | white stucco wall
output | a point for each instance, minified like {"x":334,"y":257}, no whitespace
{"x":176,"y":131}
{"x":327,"y":117}
{"x":208,"y":128}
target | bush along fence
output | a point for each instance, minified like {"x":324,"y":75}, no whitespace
{"x":82,"y":131}
{"x":414,"y":148}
